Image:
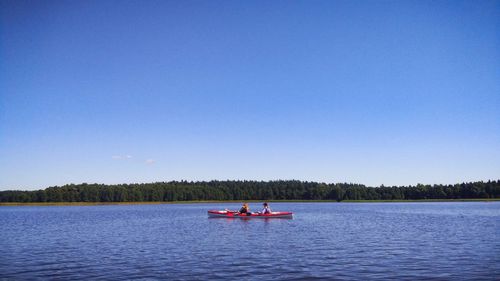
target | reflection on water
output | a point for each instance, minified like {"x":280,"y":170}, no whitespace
{"x":250,"y":218}
{"x":413,"y":241}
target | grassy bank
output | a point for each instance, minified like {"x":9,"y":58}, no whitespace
{"x":423,"y":200}
{"x":238,"y":201}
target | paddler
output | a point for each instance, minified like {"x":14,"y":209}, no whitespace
{"x":244,"y":209}
{"x":266,"y":209}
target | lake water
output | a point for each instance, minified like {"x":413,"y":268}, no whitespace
{"x":324,"y":241}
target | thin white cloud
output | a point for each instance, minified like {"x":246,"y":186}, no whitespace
{"x":121,"y":157}
{"x":150,"y":161}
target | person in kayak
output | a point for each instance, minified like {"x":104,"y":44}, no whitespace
{"x":266,"y":209}
{"x":244,"y":209}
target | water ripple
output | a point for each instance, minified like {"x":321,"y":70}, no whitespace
{"x":327,"y":241}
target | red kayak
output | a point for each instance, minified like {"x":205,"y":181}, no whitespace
{"x":235,"y":214}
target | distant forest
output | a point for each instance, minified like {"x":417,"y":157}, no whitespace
{"x":249,"y":190}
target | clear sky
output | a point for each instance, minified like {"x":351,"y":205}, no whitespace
{"x":373,"y":92}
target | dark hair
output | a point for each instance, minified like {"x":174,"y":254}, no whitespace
{"x":265,"y":204}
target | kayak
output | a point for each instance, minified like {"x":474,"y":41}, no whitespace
{"x":235,"y":214}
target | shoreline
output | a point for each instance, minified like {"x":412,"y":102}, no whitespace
{"x":240,"y":201}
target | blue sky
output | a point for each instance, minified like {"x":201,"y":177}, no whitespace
{"x":372,"y":92}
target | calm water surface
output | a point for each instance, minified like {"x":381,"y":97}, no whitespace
{"x":330,"y":241}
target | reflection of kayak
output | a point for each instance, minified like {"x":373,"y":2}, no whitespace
{"x":234,"y":214}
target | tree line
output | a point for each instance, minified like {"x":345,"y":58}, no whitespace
{"x":249,"y":190}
